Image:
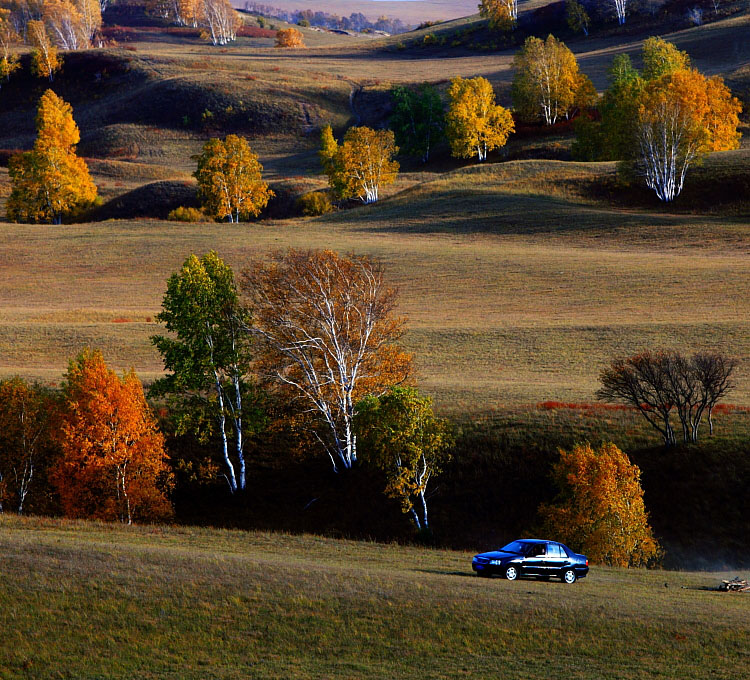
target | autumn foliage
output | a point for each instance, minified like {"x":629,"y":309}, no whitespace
{"x":548,"y":84}
{"x":600,"y":511}
{"x":229,"y":180}
{"x":327,"y":335}
{"x":475,"y":124}
{"x":27,"y":412}
{"x":113,"y":464}
{"x":502,"y":14}
{"x":361,"y":164}
{"x":289,"y":37}
{"x":50,"y":181}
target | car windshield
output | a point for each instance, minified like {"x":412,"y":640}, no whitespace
{"x":514,"y":547}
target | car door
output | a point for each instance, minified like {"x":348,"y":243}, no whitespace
{"x":535,"y":559}
{"x":556,"y":558}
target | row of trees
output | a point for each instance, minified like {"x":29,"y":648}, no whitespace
{"x":356,"y":21}
{"x":314,"y":330}
{"x":96,"y":443}
{"x":47,"y":26}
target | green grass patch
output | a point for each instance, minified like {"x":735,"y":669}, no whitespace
{"x":90,"y":600}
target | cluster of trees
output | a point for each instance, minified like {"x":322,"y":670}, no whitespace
{"x":356,"y":21}
{"x":661,"y":120}
{"x":47,"y":26}
{"x":659,"y":384}
{"x":218,"y":19}
{"x":95,"y":445}
{"x":317,"y":331}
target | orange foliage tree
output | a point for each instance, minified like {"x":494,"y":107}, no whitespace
{"x":600,"y":511}
{"x":113,"y":463}
{"x":682,"y":116}
{"x":327,"y":334}
{"x":289,"y":37}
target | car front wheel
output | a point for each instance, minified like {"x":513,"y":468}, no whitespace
{"x":511,"y":573}
{"x":569,"y":576}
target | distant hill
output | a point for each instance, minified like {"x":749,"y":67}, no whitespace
{"x":409,"y":11}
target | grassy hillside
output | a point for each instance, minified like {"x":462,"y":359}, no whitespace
{"x":88,"y":600}
{"x":519,"y":283}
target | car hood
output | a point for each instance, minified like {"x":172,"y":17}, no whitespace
{"x":497,"y":555}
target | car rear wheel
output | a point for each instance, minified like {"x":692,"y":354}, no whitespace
{"x":511,"y":572}
{"x":569,"y":576}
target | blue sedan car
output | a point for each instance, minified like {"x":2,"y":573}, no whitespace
{"x":532,"y":557}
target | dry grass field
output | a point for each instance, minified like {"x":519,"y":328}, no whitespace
{"x":516,"y":292}
{"x":85,"y":600}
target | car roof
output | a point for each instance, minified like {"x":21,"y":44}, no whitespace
{"x":534,"y":540}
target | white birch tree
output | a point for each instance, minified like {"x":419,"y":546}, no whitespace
{"x":326,"y":335}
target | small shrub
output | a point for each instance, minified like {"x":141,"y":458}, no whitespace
{"x":183,"y":214}
{"x":304,"y":23}
{"x":315,"y":203}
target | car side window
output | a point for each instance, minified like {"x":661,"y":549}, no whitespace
{"x":537,"y":550}
{"x":553,"y":550}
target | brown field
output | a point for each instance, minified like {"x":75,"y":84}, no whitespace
{"x":520,"y":281}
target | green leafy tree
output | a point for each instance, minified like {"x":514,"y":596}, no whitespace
{"x":600,"y":510}
{"x":229,"y":179}
{"x":577,"y":17}
{"x":661,"y":58}
{"x":208,"y":356}
{"x":418,"y":119}
{"x":401,"y":435}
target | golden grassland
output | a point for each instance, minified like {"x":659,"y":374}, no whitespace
{"x":515,"y":292}
{"x":92,"y":600}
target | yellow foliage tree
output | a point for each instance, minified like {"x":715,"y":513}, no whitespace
{"x":50,"y":181}
{"x":361,"y":164}
{"x":229,"y":179}
{"x":547,"y":83}
{"x":502,"y":14}
{"x":474,"y":124}
{"x":45,"y":61}
{"x":601,"y":511}
{"x":289,"y":37}
{"x":682,"y":115}
{"x":8,"y":36}
{"x":113,"y":462}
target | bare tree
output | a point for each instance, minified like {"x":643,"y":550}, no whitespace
{"x":714,"y":373}
{"x":663,"y":382}
{"x":327,"y":333}
{"x":642,"y":382}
